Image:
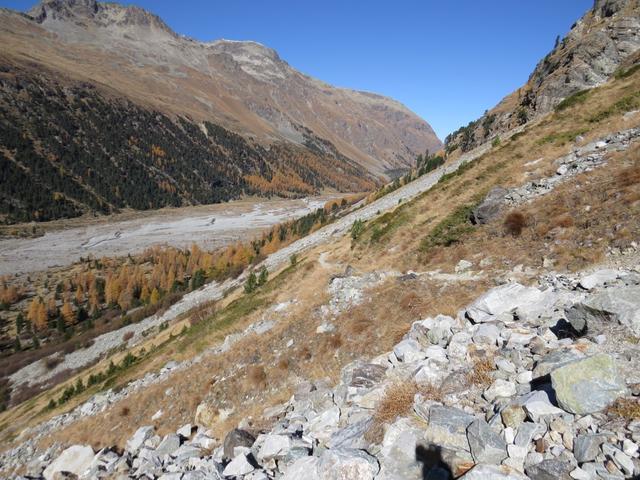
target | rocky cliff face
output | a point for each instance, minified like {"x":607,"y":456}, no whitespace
{"x":598,"y":44}
{"x":244,"y":86}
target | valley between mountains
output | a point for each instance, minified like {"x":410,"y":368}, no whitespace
{"x":331,"y":292}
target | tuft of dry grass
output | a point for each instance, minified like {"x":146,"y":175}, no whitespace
{"x":397,"y":401}
{"x":480,"y":374}
{"x":627,"y":408}
{"x":127,"y":336}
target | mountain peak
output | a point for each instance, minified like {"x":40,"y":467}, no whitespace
{"x":63,"y":9}
{"x":104,"y":14}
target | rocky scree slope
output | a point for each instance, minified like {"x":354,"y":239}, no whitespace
{"x":526,"y":382}
{"x":604,"y":39}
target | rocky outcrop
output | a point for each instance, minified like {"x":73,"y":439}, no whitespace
{"x":597,"y":45}
{"x":540,"y":410}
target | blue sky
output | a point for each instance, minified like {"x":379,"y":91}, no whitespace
{"x":447,"y":60}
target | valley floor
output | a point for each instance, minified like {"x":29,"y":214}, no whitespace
{"x":210,"y":226}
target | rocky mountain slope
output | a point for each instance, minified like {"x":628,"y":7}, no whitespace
{"x":604,"y":39}
{"x":99,"y":96}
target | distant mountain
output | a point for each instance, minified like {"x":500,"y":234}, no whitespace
{"x":105,"y":107}
{"x":605,"y":38}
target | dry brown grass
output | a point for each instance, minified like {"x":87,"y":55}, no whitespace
{"x":480,"y":373}
{"x":627,"y":408}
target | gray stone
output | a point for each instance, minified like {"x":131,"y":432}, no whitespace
{"x":448,"y":427}
{"x":492,"y":472}
{"x":368,"y":375}
{"x":486,"y":333}
{"x":503,"y":299}
{"x":500,"y":389}
{"x":537,"y":405}
{"x":408,"y":351}
{"x":137,"y":441}
{"x":273,"y":447}
{"x":490,"y":207}
{"x":239,"y":466}
{"x":352,"y":436}
{"x":236,"y":438}
{"x":622,"y":304}
{"x":486,"y":445}
{"x":347,"y":464}
{"x":588,"y":385}
{"x":398,"y":453}
{"x":586,"y":319}
{"x":169,"y":444}
{"x":306,"y":468}
{"x":553,"y":360}
{"x":323,"y":425}
{"x":75,"y":459}
{"x":526,"y":432}
{"x":587,"y":447}
{"x":598,"y":278}
{"x":552,"y":469}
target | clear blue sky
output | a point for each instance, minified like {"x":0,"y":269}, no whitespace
{"x":447,"y":60}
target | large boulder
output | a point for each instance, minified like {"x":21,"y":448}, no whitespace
{"x":503,"y":299}
{"x":75,"y":459}
{"x":490,"y":207}
{"x":587,"y":385}
{"x":619,"y":304}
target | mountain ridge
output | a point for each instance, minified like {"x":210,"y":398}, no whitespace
{"x":131,"y":55}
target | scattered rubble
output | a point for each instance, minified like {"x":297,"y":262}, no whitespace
{"x":543,"y":414}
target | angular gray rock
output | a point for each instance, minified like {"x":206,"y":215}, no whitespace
{"x":75,"y":459}
{"x":367,"y":376}
{"x":238,"y":467}
{"x":490,"y":207}
{"x":587,"y":447}
{"x":448,"y":427}
{"x":347,"y":464}
{"x":588,"y":385}
{"x":503,"y":299}
{"x":142,"y":435}
{"x":551,"y":469}
{"x":236,"y":438}
{"x":622,"y":304}
{"x":486,"y":445}
{"x":492,"y":472}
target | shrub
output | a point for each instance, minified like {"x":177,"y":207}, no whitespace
{"x":356,"y":229}
{"x":124,"y":411}
{"x":263,"y":277}
{"x":571,"y":100}
{"x":514,"y":223}
{"x":127,"y":336}
{"x":257,"y":376}
{"x":251,"y":284}
{"x":293,"y":259}
{"x":450,"y":230}
{"x":496,"y":142}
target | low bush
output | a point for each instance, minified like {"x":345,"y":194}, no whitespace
{"x":514,"y":223}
